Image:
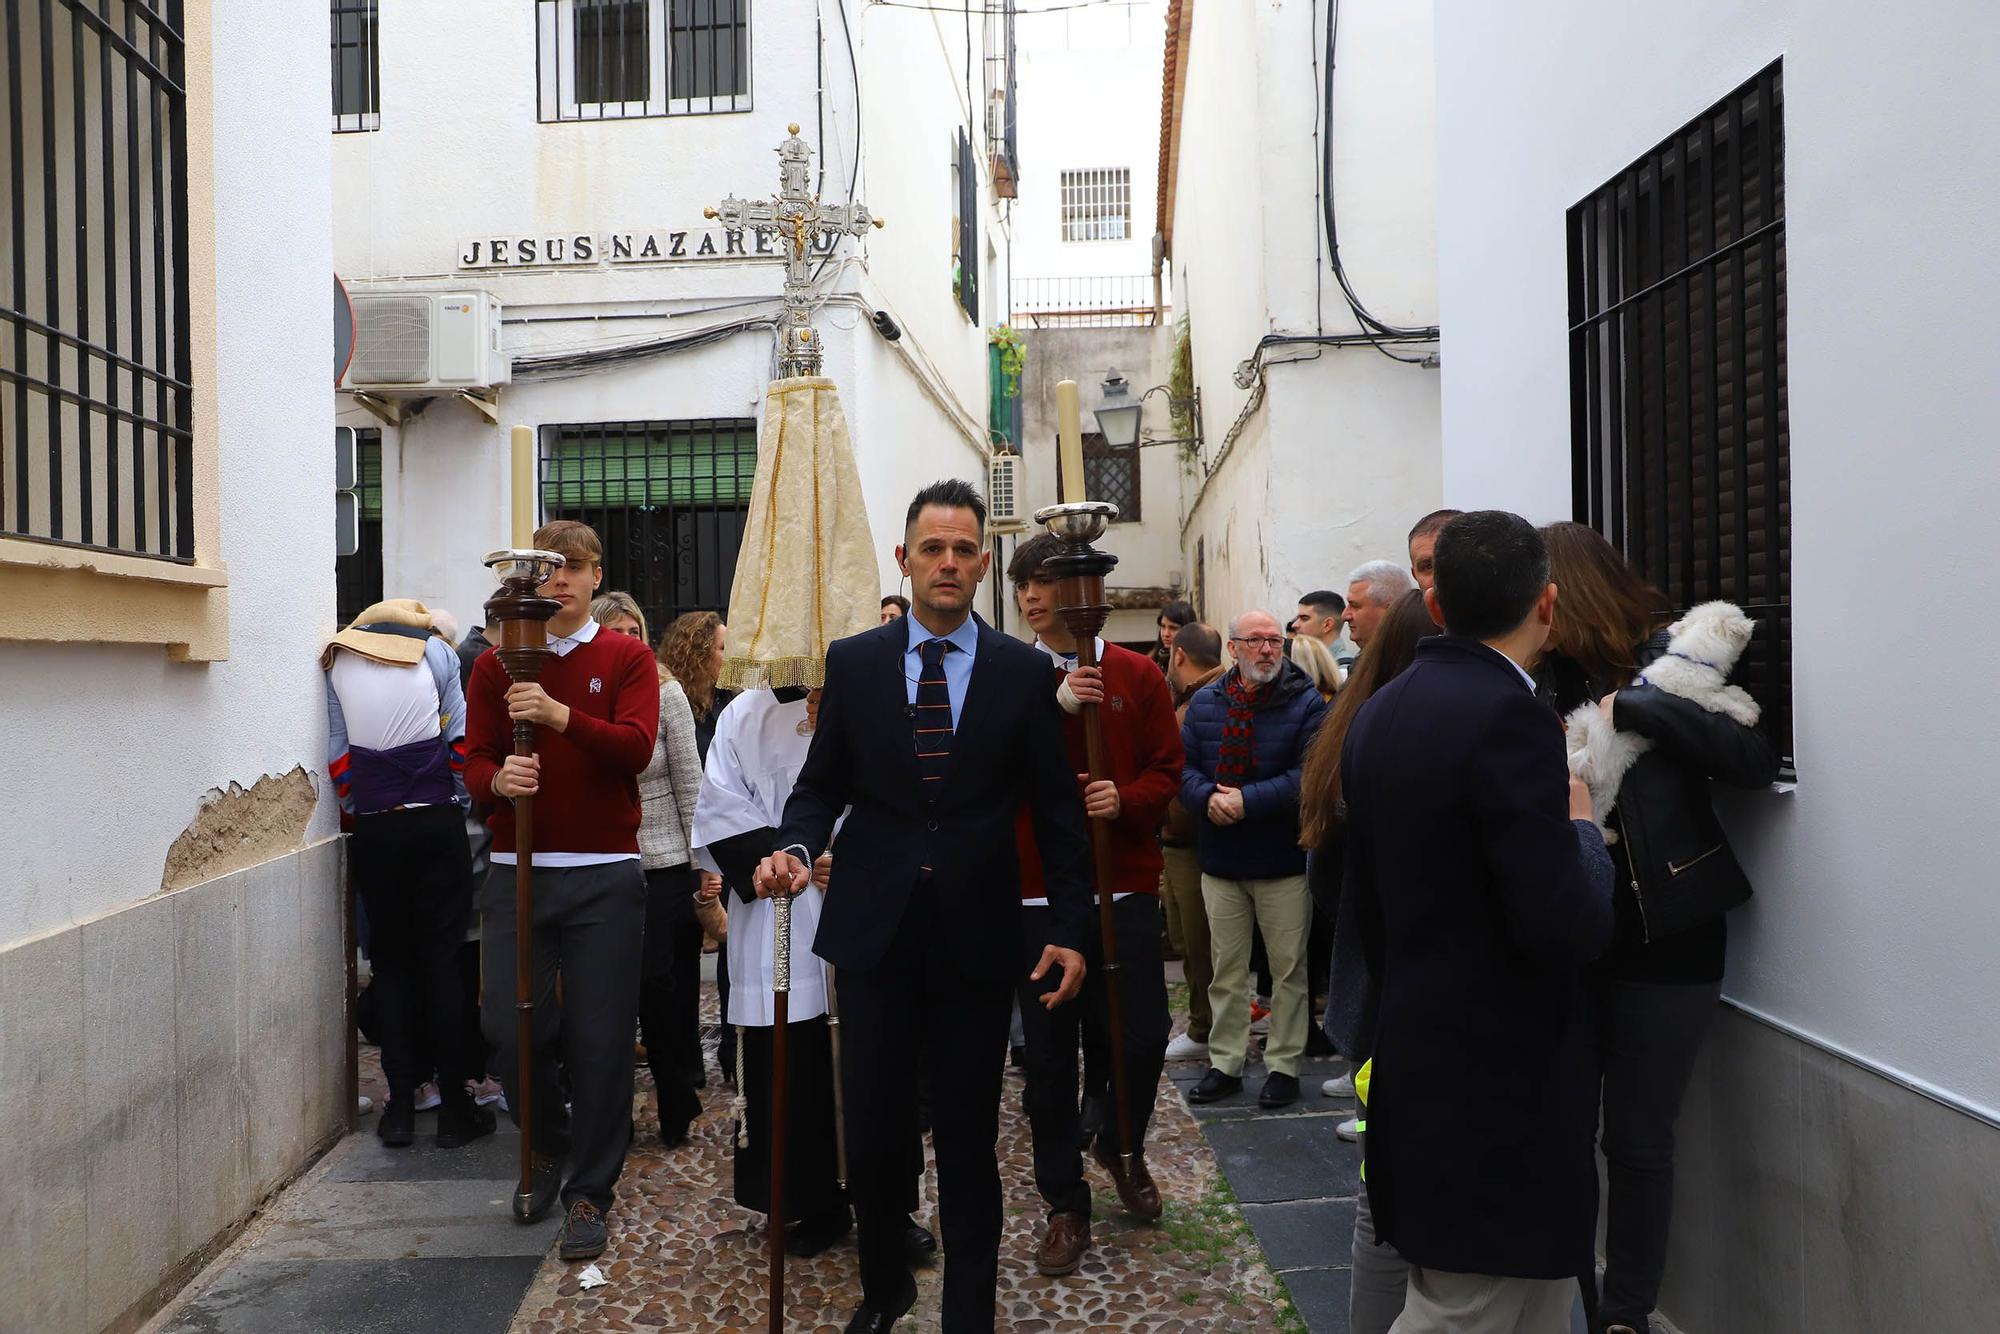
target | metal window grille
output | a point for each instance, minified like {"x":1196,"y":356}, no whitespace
{"x":95,"y":397}
{"x":358,"y":578}
{"x":620,"y":59}
{"x":668,"y":500}
{"x":1680,"y":437}
{"x":357,"y":93}
{"x":1097,"y":204}
{"x":965,"y":179}
{"x":1108,"y":474}
{"x":1003,"y":149}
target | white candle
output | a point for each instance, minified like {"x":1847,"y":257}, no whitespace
{"x":524,"y":486}
{"x":1069,"y":435}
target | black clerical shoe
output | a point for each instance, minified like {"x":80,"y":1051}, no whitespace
{"x":880,"y":1320}
{"x":398,"y":1127}
{"x":1280,"y":1090}
{"x":919,"y":1246}
{"x":456,"y":1129}
{"x":1215,"y":1086}
{"x":809,"y":1236}
{"x":544,"y":1180}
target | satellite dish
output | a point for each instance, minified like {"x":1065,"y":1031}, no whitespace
{"x":343,"y":331}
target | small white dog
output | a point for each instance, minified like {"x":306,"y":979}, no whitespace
{"x":1702,"y":649}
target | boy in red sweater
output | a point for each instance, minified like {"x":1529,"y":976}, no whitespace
{"x":597,"y":708}
{"x":1142,"y":750}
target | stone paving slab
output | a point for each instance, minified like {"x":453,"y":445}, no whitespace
{"x":1298,"y":1234}
{"x":1285,"y":1158}
{"x":1320,"y":1297}
{"x":495,"y":1158}
{"x":390,"y":1220}
{"x":359,"y":1296}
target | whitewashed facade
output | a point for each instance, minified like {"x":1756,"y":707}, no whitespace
{"x":1317,"y":455}
{"x":1840,"y":1147}
{"x":172,"y":980}
{"x":456,"y":163}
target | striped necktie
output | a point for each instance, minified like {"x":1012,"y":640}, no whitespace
{"x":933,"y":725}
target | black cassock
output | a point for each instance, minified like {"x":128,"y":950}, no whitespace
{"x":812,"y":1183}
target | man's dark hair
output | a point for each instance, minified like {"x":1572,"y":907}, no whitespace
{"x":1179,"y":611}
{"x":1491,"y":566}
{"x":1324,"y":601}
{"x":1030,"y":556}
{"x":1432,"y":523}
{"x":951,"y":494}
{"x":1201,"y":643}
{"x":898,"y":601}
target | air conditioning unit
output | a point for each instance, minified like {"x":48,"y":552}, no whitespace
{"x":426,"y":342}
{"x":996,"y":119}
{"x":1003,"y":495}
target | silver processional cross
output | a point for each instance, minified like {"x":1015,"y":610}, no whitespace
{"x":799,"y":220}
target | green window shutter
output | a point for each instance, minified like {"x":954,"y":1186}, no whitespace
{"x":638,"y":464}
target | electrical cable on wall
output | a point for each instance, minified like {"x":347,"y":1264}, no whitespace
{"x":1369,"y":323}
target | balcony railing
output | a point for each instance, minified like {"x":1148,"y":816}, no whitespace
{"x":1083,"y":303}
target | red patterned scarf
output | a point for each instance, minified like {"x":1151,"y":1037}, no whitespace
{"x":1237,"y":759}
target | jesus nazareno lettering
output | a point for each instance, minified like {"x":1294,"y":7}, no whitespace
{"x":569,"y":250}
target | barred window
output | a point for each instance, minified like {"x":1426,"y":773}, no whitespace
{"x":668,"y":498}
{"x":1680,"y":439}
{"x":614,"y":59}
{"x":1097,"y":204}
{"x":1108,"y":474}
{"x":96,"y":446}
{"x":357,"y":99}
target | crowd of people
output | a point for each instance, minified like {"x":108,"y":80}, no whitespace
{"x":1357,"y":831}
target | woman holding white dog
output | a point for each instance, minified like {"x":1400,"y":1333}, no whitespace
{"x":1676,"y":877}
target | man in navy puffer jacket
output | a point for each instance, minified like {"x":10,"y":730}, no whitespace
{"x":1246,"y":736}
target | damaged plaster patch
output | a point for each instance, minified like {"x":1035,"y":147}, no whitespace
{"x":238,"y":827}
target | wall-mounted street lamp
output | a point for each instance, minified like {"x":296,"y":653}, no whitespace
{"x":1118,"y":414}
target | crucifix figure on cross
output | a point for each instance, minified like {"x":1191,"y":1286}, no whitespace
{"x":797,"y":218}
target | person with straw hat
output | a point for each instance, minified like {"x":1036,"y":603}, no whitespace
{"x":396,"y":754}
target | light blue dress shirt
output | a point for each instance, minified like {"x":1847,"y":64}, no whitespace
{"x":957,"y":660}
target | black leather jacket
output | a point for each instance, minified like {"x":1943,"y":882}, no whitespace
{"x":1684,"y":872}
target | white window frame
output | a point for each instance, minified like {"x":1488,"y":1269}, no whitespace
{"x":557,"y":41}
{"x":1091,"y":197}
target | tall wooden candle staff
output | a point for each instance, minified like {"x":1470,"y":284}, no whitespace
{"x":522,"y":616}
{"x":1080,"y":571}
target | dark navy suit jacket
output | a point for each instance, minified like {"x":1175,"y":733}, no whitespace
{"x":1008,"y":749}
{"x":1480,"y":902}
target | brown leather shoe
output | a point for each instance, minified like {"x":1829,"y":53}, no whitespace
{"x":1062,"y":1248}
{"x":1136,"y":1190}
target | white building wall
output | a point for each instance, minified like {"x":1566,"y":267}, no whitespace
{"x":120,"y":738}
{"x":1871,"y":927}
{"x":1090,"y":98}
{"x":1342,"y":454}
{"x":465,"y":157}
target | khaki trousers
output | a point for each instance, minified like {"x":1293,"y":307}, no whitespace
{"x":1282,"y":909}
{"x":1442,"y":1303}
{"x":1182,"y":892}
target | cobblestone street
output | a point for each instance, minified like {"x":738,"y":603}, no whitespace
{"x":432,"y":1228}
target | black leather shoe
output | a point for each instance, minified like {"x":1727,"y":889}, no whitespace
{"x":1215,"y":1086}
{"x":809,"y":1236}
{"x":398,"y":1127}
{"x":919,"y":1246}
{"x":1318,"y":1043}
{"x":880,"y":1320}
{"x":544,"y":1180}
{"x":1279,"y":1090}
{"x":458,"y":1129}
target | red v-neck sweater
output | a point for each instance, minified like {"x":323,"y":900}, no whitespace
{"x":589,"y":798}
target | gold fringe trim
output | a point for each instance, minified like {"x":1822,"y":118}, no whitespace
{"x":777,"y":673}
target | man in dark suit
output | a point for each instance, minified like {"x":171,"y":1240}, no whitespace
{"x":932,"y":730}
{"x":1486,"y":888}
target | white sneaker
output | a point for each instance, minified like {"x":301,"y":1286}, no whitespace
{"x":428,"y":1097}
{"x":1349,"y":1130}
{"x":1185,"y":1048}
{"x":1342,"y":1087}
{"x":365,"y":1104}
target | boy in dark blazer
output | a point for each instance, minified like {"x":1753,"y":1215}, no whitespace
{"x":1486,"y":888}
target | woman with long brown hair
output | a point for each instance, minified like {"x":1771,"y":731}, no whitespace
{"x":1375,"y":1293}
{"x":1674,"y":878}
{"x":691,"y":652}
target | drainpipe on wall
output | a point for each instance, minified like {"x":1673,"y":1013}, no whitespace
{"x":1159,"y":293}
